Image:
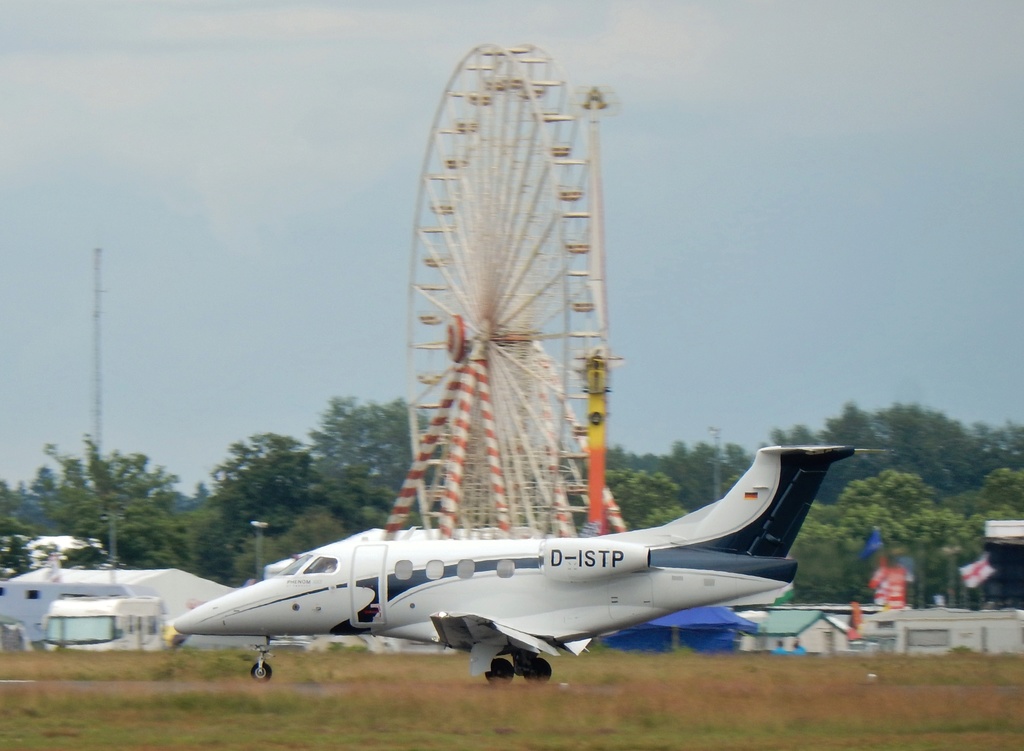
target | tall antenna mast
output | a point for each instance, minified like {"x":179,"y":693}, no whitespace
{"x":97,"y":374}
{"x":97,"y":401}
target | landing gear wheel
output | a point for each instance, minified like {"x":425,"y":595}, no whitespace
{"x":501,"y":671}
{"x":261,"y":670}
{"x":531,"y":666}
{"x":538,"y":671}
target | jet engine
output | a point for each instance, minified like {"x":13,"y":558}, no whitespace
{"x":588,"y":558}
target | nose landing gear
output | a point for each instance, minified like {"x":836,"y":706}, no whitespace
{"x":261,"y":670}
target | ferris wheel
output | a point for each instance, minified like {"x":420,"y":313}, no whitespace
{"x":506,"y":304}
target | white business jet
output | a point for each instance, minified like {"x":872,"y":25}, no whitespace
{"x":533,"y":597}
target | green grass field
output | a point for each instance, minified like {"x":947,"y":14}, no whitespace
{"x":605,"y":700}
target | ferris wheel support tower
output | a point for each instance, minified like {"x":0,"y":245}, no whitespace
{"x":597,"y":101}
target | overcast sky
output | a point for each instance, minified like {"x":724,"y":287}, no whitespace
{"x":807,"y":203}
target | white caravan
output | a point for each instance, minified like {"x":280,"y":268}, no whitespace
{"x":525,"y":598}
{"x":104,"y":623}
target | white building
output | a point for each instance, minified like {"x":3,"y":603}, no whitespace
{"x":938,"y":630}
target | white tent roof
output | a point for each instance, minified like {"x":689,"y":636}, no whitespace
{"x":180,"y":590}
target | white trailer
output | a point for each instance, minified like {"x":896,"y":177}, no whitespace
{"x":105,"y":623}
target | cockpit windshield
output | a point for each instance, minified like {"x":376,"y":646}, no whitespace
{"x":296,"y":565}
{"x":322,"y":565}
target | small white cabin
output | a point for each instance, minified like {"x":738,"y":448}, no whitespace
{"x":105,"y":623}
{"x":816,"y":631}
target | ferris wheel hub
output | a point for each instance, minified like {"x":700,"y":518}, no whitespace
{"x":458,"y":346}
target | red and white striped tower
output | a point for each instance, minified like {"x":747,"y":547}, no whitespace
{"x":493,"y":453}
{"x":413,"y":484}
{"x":456,"y":462}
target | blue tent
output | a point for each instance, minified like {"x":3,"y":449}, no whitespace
{"x":700,"y":629}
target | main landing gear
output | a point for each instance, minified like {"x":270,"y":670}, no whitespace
{"x":527,"y":664}
{"x":261,"y":670}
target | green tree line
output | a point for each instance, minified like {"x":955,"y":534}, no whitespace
{"x":929,"y":486}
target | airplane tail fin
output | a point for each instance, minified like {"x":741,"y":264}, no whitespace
{"x":771,"y":533}
{"x":762,"y":514}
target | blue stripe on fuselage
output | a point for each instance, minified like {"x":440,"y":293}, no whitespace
{"x":703,"y":559}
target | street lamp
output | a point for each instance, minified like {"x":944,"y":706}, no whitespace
{"x":111,"y":518}
{"x":260,"y":526}
{"x":716,"y":462}
{"x":951,"y":551}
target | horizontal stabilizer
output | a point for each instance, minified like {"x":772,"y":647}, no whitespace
{"x":577,"y":647}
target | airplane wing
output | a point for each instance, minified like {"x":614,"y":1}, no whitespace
{"x":485,"y":638}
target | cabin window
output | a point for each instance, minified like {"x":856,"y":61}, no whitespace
{"x":435,"y":569}
{"x":322,"y":565}
{"x":32,"y":594}
{"x":1,"y":591}
{"x":296,"y":566}
{"x":466,"y":568}
{"x":506,"y":568}
{"x":403,"y":570}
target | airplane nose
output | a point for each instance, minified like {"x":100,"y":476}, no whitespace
{"x":229,"y":614}
{"x":203,"y":619}
{"x":187,"y":623}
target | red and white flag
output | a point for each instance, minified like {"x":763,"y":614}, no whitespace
{"x":890,"y":585}
{"x":878,"y":578}
{"x":975,"y":573}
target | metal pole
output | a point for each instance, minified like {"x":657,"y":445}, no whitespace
{"x":97,"y":398}
{"x":97,"y":375}
{"x":951,"y":551}
{"x":112,"y":512}
{"x":716,"y":463}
